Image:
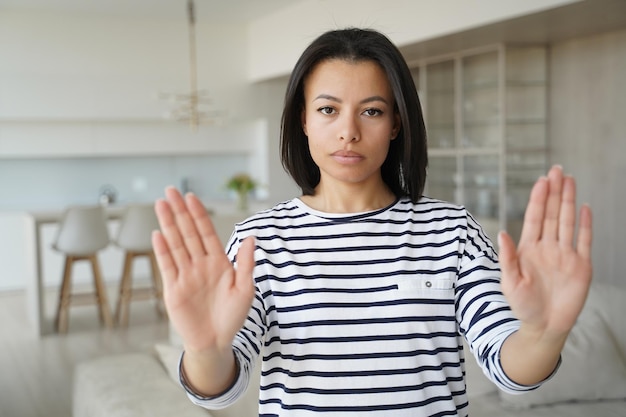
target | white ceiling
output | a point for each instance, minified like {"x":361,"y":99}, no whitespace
{"x":582,"y":18}
{"x":223,"y":11}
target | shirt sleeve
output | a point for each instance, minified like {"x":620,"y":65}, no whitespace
{"x":483,"y":313}
{"x":228,"y":397}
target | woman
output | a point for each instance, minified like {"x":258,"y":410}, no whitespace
{"x":358,"y":293}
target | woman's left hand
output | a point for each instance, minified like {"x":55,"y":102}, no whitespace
{"x":546,"y":277}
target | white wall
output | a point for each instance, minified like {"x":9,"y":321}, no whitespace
{"x":74,"y":86}
{"x":12,"y":254}
{"x":269,"y":98}
{"x":108,"y":68}
{"x":276,"y":41}
{"x":588,"y":137}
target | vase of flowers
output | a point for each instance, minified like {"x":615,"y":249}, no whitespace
{"x":242,"y":184}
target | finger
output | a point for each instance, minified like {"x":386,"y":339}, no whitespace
{"x":583,"y":244}
{"x":567,"y":215}
{"x":245,"y":266}
{"x":171,"y":234}
{"x":166,"y":264}
{"x":185,"y":223}
{"x":533,"y":218}
{"x":204,"y":225}
{"x":508,"y":261}
{"x":553,"y":205}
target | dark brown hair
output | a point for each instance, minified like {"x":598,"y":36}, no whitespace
{"x":404,"y":169}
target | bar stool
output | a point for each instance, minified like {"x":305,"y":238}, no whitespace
{"x":134,"y":237}
{"x":81,"y":235}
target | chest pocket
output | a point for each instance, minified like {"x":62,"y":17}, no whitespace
{"x":431,"y":298}
{"x":427,"y":285}
{"x":438,"y":291}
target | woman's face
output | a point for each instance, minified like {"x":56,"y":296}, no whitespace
{"x":349,"y":120}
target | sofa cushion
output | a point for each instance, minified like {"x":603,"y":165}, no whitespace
{"x":592,"y":367}
{"x":129,"y":385}
{"x":169,"y":356}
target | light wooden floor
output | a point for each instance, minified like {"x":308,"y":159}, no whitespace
{"x":36,"y":374}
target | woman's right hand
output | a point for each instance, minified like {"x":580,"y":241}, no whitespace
{"x":207,"y":299}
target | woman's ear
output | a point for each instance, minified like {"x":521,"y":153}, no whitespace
{"x":397,"y":124}
{"x":303,"y":121}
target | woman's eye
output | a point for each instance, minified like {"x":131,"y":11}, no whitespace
{"x":372,"y":112}
{"x":326,"y":110}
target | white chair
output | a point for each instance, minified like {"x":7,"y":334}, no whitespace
{"x":81,"y":235}
{"x":134,"y":237}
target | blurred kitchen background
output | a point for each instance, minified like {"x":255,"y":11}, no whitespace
{"x":88,"y":90}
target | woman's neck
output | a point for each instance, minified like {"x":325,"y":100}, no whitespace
{"x":349,"y":198}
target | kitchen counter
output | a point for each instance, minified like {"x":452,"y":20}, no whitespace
{"x":54,"y":216}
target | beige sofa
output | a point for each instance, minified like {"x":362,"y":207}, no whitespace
{"x":590,"y":382}
{"x":143,"y":384}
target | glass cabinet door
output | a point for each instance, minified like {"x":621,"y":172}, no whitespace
{"x":480,"y":101}
{"x":443,"y":179}
{"x":525,"y":128}
{"x":481,"y":190}
{"x":440,"y":105}
{"x":486,"y":118}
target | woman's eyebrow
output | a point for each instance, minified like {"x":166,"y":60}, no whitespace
{"x":338,"y":100}
{"x":373,"y":98}
{"x":327,"y":97}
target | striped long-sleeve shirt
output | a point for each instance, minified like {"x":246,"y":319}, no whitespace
{"x":364,"y":314}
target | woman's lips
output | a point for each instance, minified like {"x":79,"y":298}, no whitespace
{"x":347,"y":157}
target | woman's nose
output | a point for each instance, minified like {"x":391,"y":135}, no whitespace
{"x":349,"y":130}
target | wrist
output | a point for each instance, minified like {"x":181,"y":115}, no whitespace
{"x":529,"y":355}
{"x":212,"y":354}
{"x":208,"y":373}
{"x":207,"y":346}
{"x":206,"y":392}
{"x":538,"y":337}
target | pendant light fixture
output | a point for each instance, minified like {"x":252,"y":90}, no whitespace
{"x":195,"y":107}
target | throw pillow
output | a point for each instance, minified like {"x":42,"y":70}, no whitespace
{"x":591,"y":369}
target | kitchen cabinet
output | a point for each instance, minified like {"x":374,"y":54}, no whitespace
{"x":486,"y":117}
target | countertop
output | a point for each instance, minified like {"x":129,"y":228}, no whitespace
{"x":52,"y":213}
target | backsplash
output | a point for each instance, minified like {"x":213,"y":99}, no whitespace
{"x":43,"y":184}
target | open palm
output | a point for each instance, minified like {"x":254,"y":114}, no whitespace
{"x":547,"y":277}
{"x":207,"y":299}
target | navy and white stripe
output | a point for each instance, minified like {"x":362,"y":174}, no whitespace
{"x":365,"y":314}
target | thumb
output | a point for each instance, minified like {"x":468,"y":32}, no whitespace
{"x":508,"y":259}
